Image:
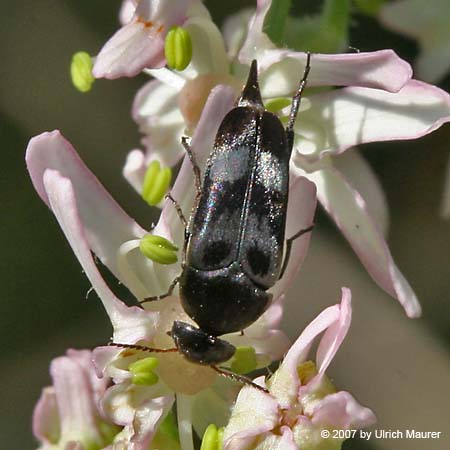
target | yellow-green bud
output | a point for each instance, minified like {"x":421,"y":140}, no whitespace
{"x":158,"y":249}
{"x":212,"y":438}
{"x":156,"y":183}
{"x":81,"y":71}
{"x":178,"y":48}
{"x":244,"y":360}
{"x":142,"y":371}
{"x":277,"y":104}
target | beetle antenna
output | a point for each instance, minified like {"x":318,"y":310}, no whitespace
{"x":297,"y":98}
{"x":143,"y":348}
{"x":239,"y":378}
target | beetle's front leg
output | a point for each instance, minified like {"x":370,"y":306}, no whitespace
{"x":160,"y":297}
{"x":289,"y":243}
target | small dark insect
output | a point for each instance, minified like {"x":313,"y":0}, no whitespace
{"x":233,"y":249}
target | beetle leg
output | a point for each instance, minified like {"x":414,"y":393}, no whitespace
{"x":296,"y":101}
{"x":160,"y":297}
{"x":289,"y":242}
{"x":195,"y":168}
{"x":178,"y":209}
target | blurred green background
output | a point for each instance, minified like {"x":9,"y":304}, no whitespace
{"x":44,"y":305}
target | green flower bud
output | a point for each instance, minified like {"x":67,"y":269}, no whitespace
{"x":81,"y":71}
{"x":158,"y":249}
{"x":156,"y":183}
{"x":212,"y":438}
{"x":178,"y":48}
{"x":244,"y":360}
{"x":142,"y":371}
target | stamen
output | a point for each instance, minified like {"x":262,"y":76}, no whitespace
{"x":156,"y":183}
{"x":81,"y":71}
{"x":158,"y":249}
{"x":178,"y":48}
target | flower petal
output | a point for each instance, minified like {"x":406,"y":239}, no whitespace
{"x":134,"y":170}
{"x":254,"y":413}
{"x":335,"y":334}
{"x":127,"y":10}
{"x":46,"y":419}
{"x":75,"y":399}
{"x":275,"y":442}
{"x":106,"y":227}
{"x":155,"y":109}
{"x":130,"y":323}
{"x":349,"y":211}
{"x":285,"y":382}
{"x":343,"y":118}
{"x":129,"y":50}
{"x":300,"y":215}
{"x":355,"y":167}
{"x":282,"y":70}
{"x":342,"y":411}
{"x":140,"y":43}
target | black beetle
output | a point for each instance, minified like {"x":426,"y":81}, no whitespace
{"x":233,"y":249}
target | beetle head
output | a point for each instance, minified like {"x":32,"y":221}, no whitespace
{"x":200,"y":347}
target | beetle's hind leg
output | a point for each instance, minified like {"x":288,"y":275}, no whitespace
{"x":289,"y":243}
{"x":195,"y":168}
{"x":160,"y":297}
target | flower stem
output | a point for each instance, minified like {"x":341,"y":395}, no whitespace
{"x":184,"y":416}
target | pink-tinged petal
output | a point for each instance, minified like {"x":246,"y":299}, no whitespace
{"x":354,"y":166}
{"x":46,"y":419}
{"x":300,"y":216}
{"x":134,"y":170}
{"x":106,"y":225}
{"x":256,"y":42}
{"x":85,"y":360}
{"x":349,"y":211}
{"x":254,"y":413}
{"x":102,"y":357}
{"x":121,"y":401}
{"x":130,"y":323}
{"x":75,"y":400}
{"x":127,"y":11}
{"x":276,"y":442}
{"x":285,"y":382}
{"x":133,"y":47}
{"x":147,"y":419}
{"x":342,"y":411}
{"x":335,"y":334}
{"x":382,"y":69}
{"x":140,"y":43}
{"x":347,"y":117}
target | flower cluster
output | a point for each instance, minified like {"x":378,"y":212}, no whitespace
{"x":198,"y":72}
